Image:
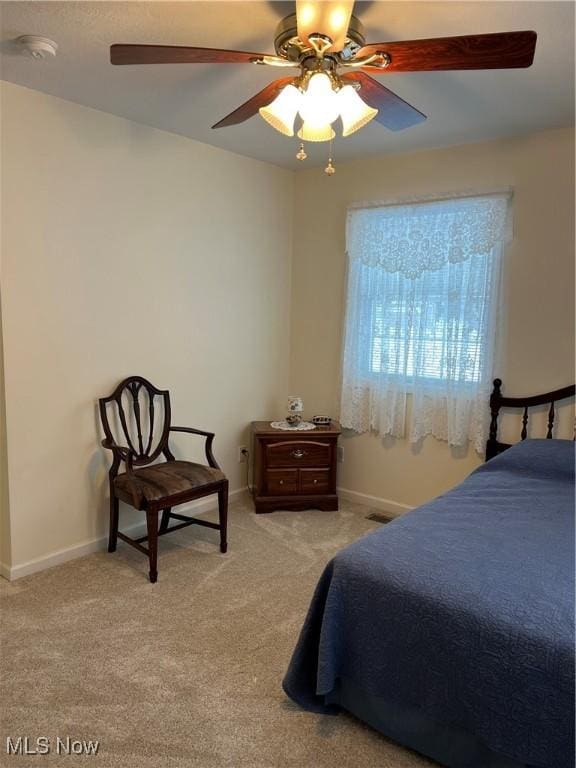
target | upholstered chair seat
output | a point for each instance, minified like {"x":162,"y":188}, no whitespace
{"x":162,"y":481}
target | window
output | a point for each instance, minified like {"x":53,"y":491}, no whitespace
{"x":428,"y":320}
{"x":423,"y":284}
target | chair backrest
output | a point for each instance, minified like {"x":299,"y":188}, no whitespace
{"x":134,"y":404}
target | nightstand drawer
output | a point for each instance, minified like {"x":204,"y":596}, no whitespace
{"x":281,"y":481}
{"x":314,"y":480}
{"x":294,"y":453}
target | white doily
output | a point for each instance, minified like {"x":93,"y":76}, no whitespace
{"x":292,"y":428}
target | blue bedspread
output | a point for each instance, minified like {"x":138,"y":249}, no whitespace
{"x":462,"y":609}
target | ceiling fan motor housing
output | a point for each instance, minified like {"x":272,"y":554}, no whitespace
{"x":289,"y":46}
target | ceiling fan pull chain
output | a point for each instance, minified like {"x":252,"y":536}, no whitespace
{"x":330,"y":170}
{"x":301,"y":154}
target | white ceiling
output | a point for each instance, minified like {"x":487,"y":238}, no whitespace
{"x":462,"y":107}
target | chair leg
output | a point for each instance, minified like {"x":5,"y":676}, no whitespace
{"x":152,"y":525}
{"x":165,"y":522}
{"x":223,"y":515}
{"x":113,"y":532}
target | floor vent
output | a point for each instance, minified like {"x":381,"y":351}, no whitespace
{"x":379,"y":517}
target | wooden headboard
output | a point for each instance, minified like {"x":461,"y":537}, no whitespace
{"x":497,"y":401}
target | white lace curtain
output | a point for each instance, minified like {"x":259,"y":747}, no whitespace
{"x":423,"y":285}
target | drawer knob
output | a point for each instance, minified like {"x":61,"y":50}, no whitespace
{"x":281,"y":482}
{"x":315,"y":481}
{"x":298,"y":454}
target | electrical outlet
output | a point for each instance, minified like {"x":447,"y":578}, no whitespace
{"x":242,"y":454}
{"x":340,"y":454}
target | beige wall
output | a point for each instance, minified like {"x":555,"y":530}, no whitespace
{"x":538,"y":325}
{"x":5,"y":550}
{"x":129,"y":250}
{"x":126,"y":249}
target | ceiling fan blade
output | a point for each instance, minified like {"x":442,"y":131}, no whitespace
{"x":329,"y":17}
{"x":393,"y":112}
{"x":500,"y":50}
{"x":125,"y":53}
{"x":251,"y":107}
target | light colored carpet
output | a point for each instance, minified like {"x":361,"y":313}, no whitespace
{"x":186,"y":672}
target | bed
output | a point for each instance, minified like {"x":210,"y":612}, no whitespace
{"x":451,"y":629}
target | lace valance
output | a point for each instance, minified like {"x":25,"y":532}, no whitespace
{"x":411,"y":239}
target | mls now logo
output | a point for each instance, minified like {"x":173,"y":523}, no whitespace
{"x":43,"y":745}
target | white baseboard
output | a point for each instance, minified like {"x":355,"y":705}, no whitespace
{"x":96,"y":545}
{"x":56,"y":558}
{"x":385,"y":505}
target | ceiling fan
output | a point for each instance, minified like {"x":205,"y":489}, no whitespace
{"x":326,"y":43}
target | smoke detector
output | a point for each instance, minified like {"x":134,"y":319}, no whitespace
{"x":37,"y":47}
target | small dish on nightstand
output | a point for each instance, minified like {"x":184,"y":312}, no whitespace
{"x":321,"y":421}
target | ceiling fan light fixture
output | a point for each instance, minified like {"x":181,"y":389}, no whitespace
{"x":316,"y":132}
{"x":319,"y":103}
{"x":322,"y":37}
{"x":281,"y":112}
{"x":354,"y":112}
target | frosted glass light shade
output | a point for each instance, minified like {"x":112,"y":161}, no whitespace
{"x":354,"y":112}
{"x":319,"y":104}
{"x":328,"y":17}
{"x":313,"y":132}
{"x":281,"y":112}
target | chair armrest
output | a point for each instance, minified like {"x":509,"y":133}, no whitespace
{"x":121,"y":453}
{"x":209,"y":440}
{"x":192,"y":431}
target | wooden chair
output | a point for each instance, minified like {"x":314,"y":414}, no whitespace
{"x":160,"y":486}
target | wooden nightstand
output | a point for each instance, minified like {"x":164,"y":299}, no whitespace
{"x":295,"y":470}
